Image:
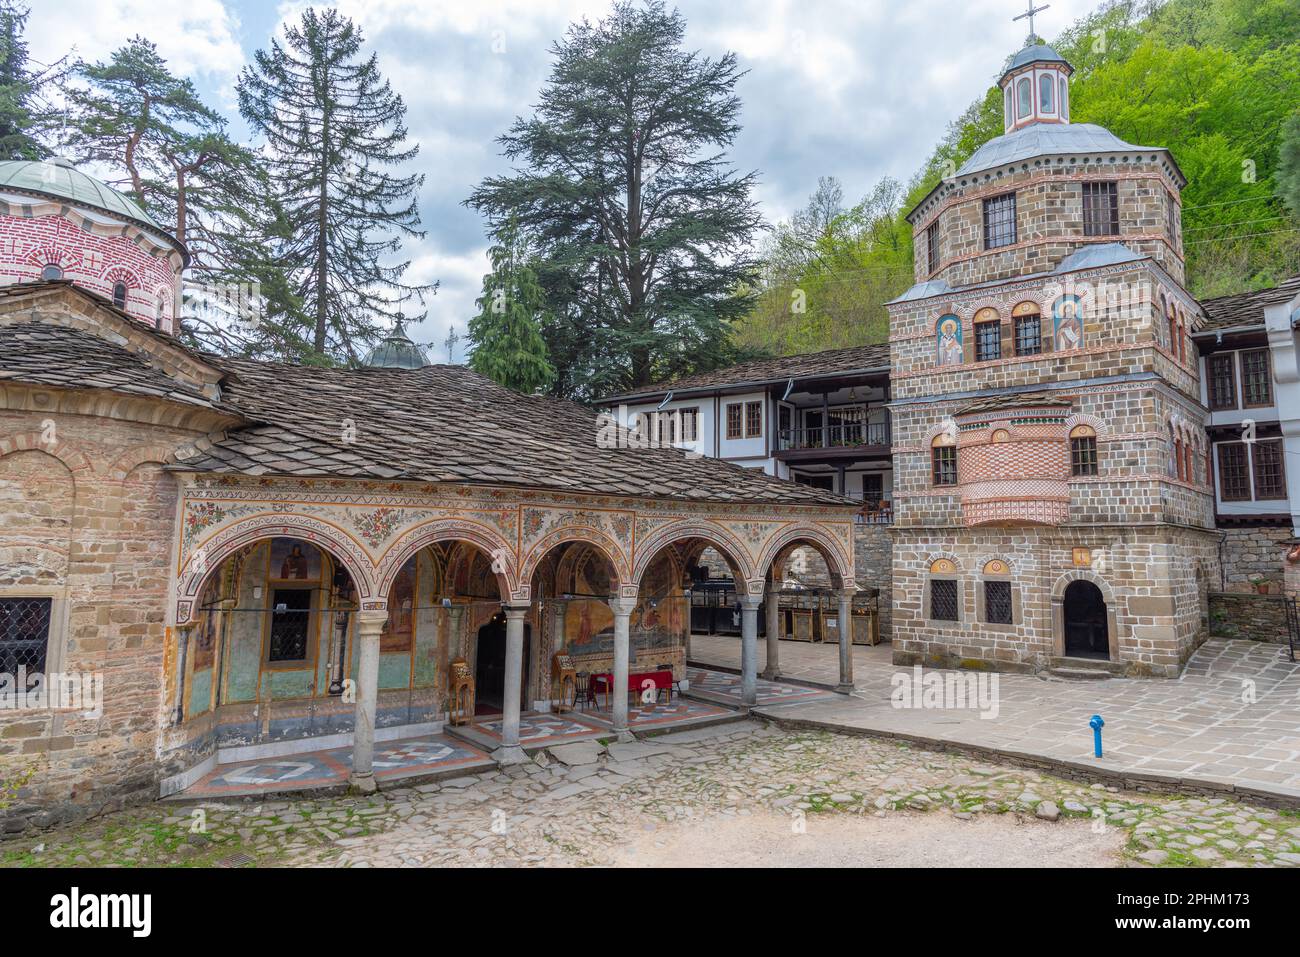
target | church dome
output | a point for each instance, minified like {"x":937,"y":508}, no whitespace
{"x":1035,"y":53}
{"x":396,"y":351}
{"x":59,"y":179}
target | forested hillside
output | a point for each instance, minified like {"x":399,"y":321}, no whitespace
{"x":1215,"y":81}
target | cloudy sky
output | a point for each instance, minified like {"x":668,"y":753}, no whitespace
{"x":858,"y":89}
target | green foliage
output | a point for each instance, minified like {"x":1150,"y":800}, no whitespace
{"x":506,"y":333}
{"x":641,"y":226}
{"x":1288,"y":166}
{"x":23,"y":107}
{"x":332,"y":129}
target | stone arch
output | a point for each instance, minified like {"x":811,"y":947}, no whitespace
{"x":726,"y":544}
{"x":585,"y":535}
{"x":39,"y":536}
{"x":194,"y":570}
{"x":1098,"y":425}
{"x":34,"y":441}
{"x":132,"y":458}
{"x":483,"y":537}
{"x":838,"y":563}
{"x":1057,"y":594}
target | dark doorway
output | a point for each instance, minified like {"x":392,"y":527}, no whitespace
{"x":1085,"y":621}
{"x":490,"y":666}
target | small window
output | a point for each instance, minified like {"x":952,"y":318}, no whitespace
{"x":1234,"y":478}
{"x":1100,"y":209}
{"x":1024,"y":95}
{"x":1000,"y":221}
{"x":1065,"y":111}
{"x":1029,"y":335}
{"x":24,"y":634}
{"x":1083,"y":451}
{"x":119,"y":295}
{"x":1006,"y":105}
{"x":943,"y":599}
{"x":753,"y":420}
{"x":932,"y":245}
{"x":997,"y":602}
{"x":1269,"y":472}
{"x":690,"y":419}
{"x":290,"y":624}
{"x":52,"y":272}
{"x":988,"y":340}
{"x":734,"y":413}
{"x":1171,"y":220}
{"x":1223,"y":380}
{"x":1256,"y":380}
{"x":1046,"y":85}
{"x":943,"y":461}
{"x":160,"y":312}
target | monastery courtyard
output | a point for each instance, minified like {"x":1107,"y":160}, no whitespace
{"x":771,"y":789}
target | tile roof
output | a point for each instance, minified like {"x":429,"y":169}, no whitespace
{"x":449,"y":424}
{"x":44,"y":354}
{"x":1246,"y":308}
{"x":809,"y":365}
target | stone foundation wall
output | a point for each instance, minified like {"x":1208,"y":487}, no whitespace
{"x":1248,"y":617}
{"x":1253,"y":552}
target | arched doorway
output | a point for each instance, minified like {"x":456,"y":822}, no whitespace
{"x":490,"y":665}
{"x":1086,"y":632}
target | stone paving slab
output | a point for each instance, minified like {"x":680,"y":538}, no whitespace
{"x":1232,"y":721}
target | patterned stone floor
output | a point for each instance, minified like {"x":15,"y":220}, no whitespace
{"x":1232,"y":719}
{"x":316,"y":769}
{"x":539,"y":729}
{"x":681,"y":712}
{"x":725,"y":687}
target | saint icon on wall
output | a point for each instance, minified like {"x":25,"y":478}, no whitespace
{"x":950,"y":347}
{"x":291,"y":560}
{"x":1067,"y":316}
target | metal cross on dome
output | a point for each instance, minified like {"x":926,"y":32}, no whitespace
{"x":1030,"y":15}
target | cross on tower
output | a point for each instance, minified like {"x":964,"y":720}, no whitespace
{"x":452,"y":339}
{"x":1030,"y":14}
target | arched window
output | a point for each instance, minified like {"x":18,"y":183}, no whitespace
{"x":1189,"y":461}
{"x":52,"y":272}
{"x":1182,"y":336}
{"x":997,"y":604}
{"x":119,"y":295}
{"x":943,"y":460}
{"x":1178,"y":456}
{"x":1064,"y":100}
{"x":942,"y":595}
{"x":1028,"y":329}
{"x":1024,"y":97}
{"x":1046,"y":86}
{"x":1172,"y":318}
{"x":1006,"y":106}
{"x":988,"y":335}
{"x":159,"y":311}
{"x":1083,"y":450}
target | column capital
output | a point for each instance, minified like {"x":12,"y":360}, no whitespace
{"x":622,"y":605}
{"x":848,"y":591}
{"x":516,"y":612}
{"x":750,"y":602}
{"x":371,"y":621}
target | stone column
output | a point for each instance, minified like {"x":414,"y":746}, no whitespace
{"x":369,"y":626}
{"x":622,"y":608}
{"x":772,"y":670}
{"x":510,"y":752}
{"x":749,"y":649}
{"x":846,"y":640}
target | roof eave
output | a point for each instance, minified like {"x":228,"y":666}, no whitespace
{"x":741,"y":386}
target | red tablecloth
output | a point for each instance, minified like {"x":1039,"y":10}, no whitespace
{"x":635,"y":681}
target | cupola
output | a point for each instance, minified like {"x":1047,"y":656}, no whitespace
{"x":396,"y":351}
{"x":1035,"y":88}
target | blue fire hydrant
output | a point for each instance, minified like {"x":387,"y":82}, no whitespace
{"x":1096,"y":724}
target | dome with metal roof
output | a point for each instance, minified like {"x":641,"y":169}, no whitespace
{"x":1035,"y":53}
{"x":59,"y":179}
{"x":396,"y":351}
{"x":1045,"y":139}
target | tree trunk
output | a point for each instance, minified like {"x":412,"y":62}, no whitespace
{"x":322,"y":240}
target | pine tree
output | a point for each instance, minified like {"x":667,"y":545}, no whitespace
{"x":332,"y":127}
{"x":24,"y":110}
{"x":506,"y":334}
{"x":623,"y":184}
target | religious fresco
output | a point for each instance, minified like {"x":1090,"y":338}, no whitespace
{"x":1067,"y":320}
{"x":399,"y":630}
{"x":205,"y":636}
{"x":294,"y":560}
{"x":949,"y":339}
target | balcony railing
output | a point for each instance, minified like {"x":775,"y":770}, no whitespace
{"x":839,"y":435}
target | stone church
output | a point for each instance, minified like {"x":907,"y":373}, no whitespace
{"x":206,"y":559}
{"x":1051,"y":487}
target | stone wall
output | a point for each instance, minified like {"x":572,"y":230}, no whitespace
{"x":1252,"y":552}
{"x":1248,"y":617}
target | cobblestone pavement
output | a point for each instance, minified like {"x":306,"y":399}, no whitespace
{"x":1233,"y":718}
{"x":554,"y":813}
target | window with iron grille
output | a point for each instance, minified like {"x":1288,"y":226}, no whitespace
{"x":944,"y":461}
{"x":1223,"y":381}
{"x":1100,"y":209}
{"x":1270,"y":474}
{"x":753,"y":420}
{"x":1000,"y":221}
{"x":24,"y":634}
{"x":1083,"y":455}
{"x":1029,"y":335}
{"x":1256,"y":380}
{"x":734,"y":411}
{"x":1234,"y":477}
{"x":943,"y":599}
{"x":932,"y":245}
{"x":290,"y":624}
{"x":988,"y":341}
{"x":997,"y":602}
